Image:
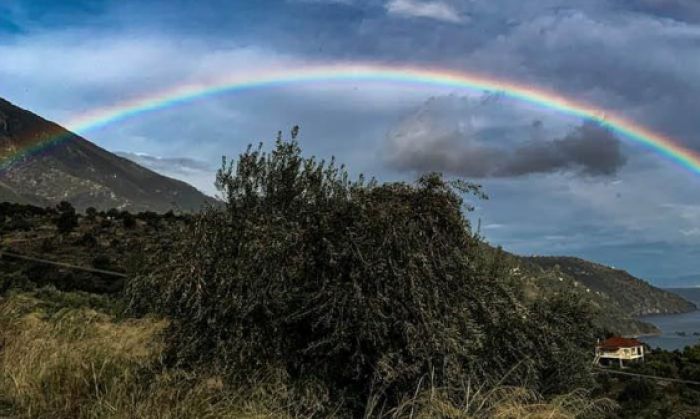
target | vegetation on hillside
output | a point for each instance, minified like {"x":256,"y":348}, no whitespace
{"x":629,"y":293}
{"x":611,"y":312}
{"x":112,"y":240}
{"x":647,"y":398}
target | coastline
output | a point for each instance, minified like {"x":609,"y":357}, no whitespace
{"x":677,"y":330}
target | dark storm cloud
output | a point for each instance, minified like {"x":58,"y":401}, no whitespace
{"x":455,"y":135}
{"x":587,"y":150}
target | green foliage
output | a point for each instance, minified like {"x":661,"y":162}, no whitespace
{"x":17,"y":222}
{"x":692,"y":353}
{"x":101,"y":262}
{"x":651,"y":398}
{"x":112,"y":247}
{"x":91,"y":213}
{"x":638,"y":390}
{"x":67,"y":219}
{"x":151,"y":218}
{"x":622,"y":298}
{"x":128,"y":220}
{"x":360,"y":285}
{"x":88,"y":239}
{"x":561,"y":327}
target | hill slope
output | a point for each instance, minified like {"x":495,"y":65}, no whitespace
{"x":80,"y":172}
{"x":619,"y":297}
{"x":632,"y":294}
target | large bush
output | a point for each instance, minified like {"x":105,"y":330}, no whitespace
{"x":360,"y":286}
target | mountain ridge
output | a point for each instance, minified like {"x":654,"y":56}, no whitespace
{"x":78,"y":171}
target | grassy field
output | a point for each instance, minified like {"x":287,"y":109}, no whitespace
{"x":65,"y":355}
{"x":70,"y":355}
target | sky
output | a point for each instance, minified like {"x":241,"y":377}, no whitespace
{"x":557,"y":185}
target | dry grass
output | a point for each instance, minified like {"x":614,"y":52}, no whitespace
{"x":80,"y":362}
{"x":499,"y":402}
{"x":69,"y":362}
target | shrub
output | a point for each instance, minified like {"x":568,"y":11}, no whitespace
{"x":638,"y":390}
{"x":48,"y":244}
{"x":128,"y":220}
{"x":88,"y":239}
{"x":91,"y":213}
{"x":113,"y":213}
{"x":101,"y":262}
{"x":67,"y":219}
{"x":18,"y":223}
{"x":364,"y":287}
{"x":151,"y":218}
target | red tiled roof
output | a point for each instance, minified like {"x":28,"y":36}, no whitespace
{"x":616,"y":342}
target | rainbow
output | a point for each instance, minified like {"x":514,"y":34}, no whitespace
{"x":635,"y":133}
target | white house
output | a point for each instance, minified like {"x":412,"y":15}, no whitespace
{"x":618,"y":350}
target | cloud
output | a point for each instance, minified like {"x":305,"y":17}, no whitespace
{"x":179,"y":164}
{"x":196,"y":172}
{"x":457,"y":144}
{"x":437,"y":10}
{"x":590,"y":149}
{"x":91,"y":72}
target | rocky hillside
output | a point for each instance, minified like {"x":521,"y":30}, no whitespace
{"x":633,"y":295}
{"x":618,"y":296}
{"x":78,"y":171}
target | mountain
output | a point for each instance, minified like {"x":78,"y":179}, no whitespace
{"x":76,"y":170}
{"x":619,"y":297}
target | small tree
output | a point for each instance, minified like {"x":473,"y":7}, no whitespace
{"x":91,"y":213}
{"x":67,"y":219}
{"x":128,"y":220}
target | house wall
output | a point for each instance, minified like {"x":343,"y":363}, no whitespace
{"x":622,"y":353}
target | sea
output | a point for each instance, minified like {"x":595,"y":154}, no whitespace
{"x":677,"y":330}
